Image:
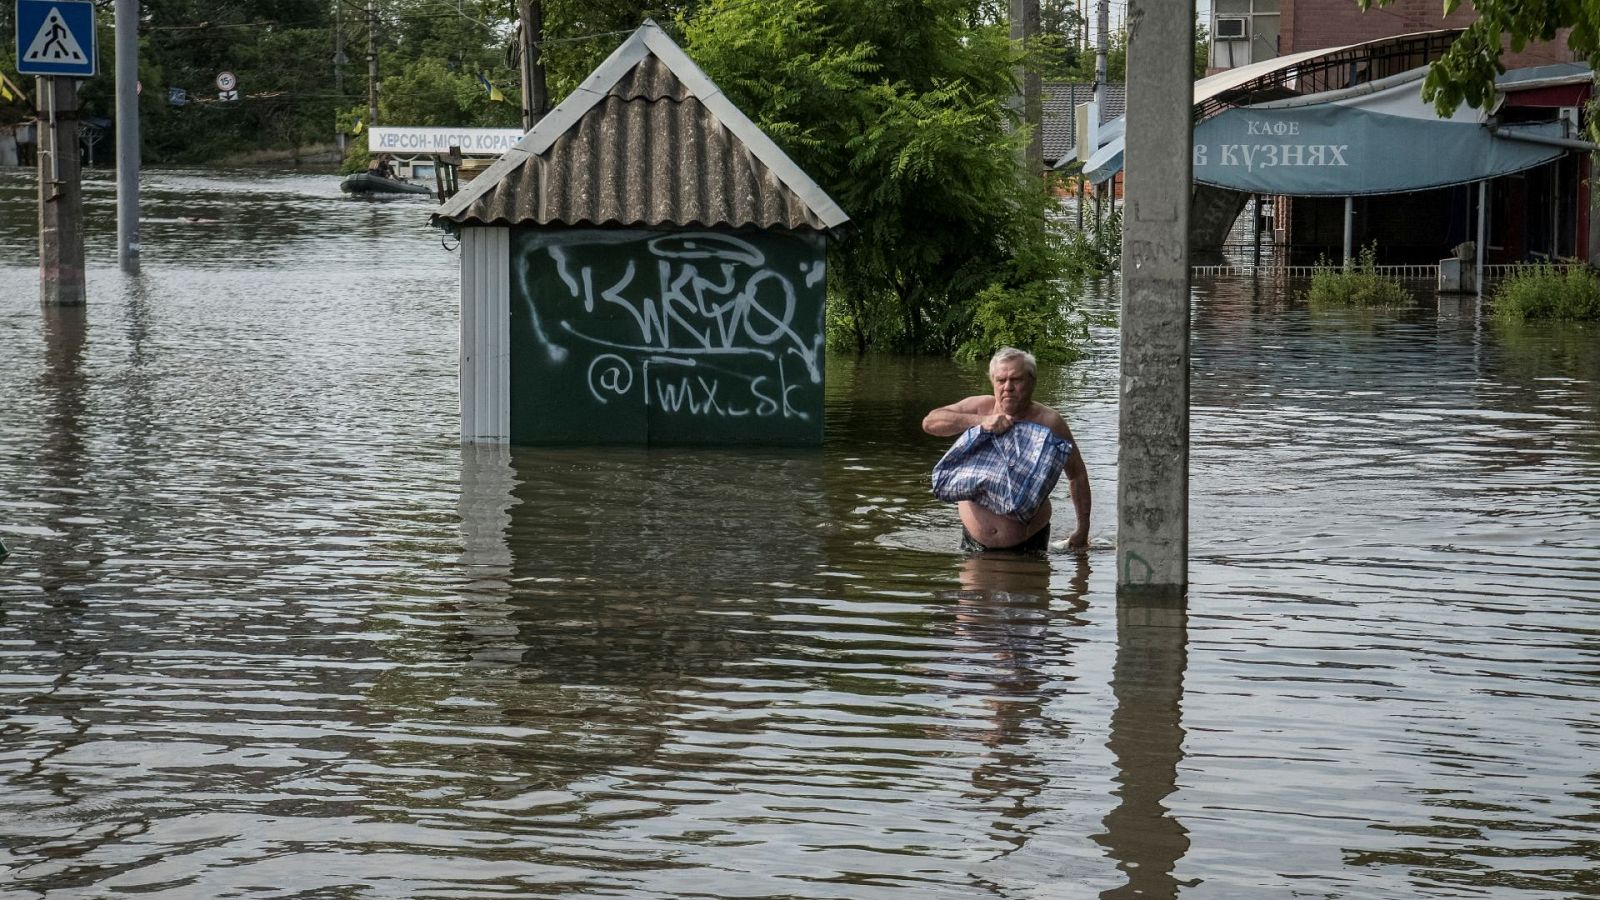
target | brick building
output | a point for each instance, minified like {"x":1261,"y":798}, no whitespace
{"x":1247,"y":31}
{"x":1543,"y":212}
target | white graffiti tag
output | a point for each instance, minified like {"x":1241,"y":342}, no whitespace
{"x":609,"y":376}
{"x":660,"y":315}
{"x":713,"y":295}
{"x":692,"y":386}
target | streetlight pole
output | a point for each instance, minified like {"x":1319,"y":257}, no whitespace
{"x":127,"y":29}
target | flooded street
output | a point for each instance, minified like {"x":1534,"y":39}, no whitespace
{"x":268,"y":629}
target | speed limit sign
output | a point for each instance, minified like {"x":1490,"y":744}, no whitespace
{"x":226,"y":81}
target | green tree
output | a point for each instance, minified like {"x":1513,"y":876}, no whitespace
{"x":1466,"y":73}
{"x":15,"y":109}
{"x":1059,"y":51}
{"x":281,"y":53}
{"x":898,"y":108}
{"x":427,"y":92}
{"x":580,"y":34}
{"x":1070,"y":65}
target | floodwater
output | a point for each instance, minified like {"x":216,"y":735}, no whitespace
{"x":267,"y":629}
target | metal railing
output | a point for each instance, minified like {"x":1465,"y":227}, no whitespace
{"x":1425,"y":271}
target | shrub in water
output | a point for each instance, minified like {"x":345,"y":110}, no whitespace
{"x":1546,"y":292}
{"x":1358,"y":286}
{"x":1029,"y":316}
{"x":1097,"y":251}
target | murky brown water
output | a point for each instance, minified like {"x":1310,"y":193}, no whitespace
{"x":268,"y":630}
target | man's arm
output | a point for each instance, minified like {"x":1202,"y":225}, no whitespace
{"x":1077,"y":481}
{"x":949,"y":421}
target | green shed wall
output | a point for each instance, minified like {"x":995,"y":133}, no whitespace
{"x":623,"y":336}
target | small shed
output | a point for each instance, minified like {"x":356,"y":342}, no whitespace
{"x":644,"y":267}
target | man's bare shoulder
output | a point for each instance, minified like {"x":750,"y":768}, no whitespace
{"x":976,"y":405}
{"x":1050,"y":419}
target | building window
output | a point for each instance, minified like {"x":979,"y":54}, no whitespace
{"x":1242,"y":32}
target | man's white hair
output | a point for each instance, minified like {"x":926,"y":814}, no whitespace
{"x":1007,"y":354}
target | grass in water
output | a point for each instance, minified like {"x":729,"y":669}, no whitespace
{"x":1545,"y":292}
{"x":1360,"y":285}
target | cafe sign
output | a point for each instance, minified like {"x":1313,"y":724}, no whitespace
{"x":1375,"y":142}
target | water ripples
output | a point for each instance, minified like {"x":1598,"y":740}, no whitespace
{"x":268,"y":630}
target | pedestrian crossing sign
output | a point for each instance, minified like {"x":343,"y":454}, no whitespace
{"x":55,"y":37}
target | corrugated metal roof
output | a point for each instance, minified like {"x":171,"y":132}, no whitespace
{"x":639,"y":145}
{"x":1060,"y":98}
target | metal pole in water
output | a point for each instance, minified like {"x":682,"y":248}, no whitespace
{"x":127,"y":19}
{"x":1256,"y":262}
{"x":1153,"y":427}
{"x":1483,"y":234}
{"x":1587,"y":173}
{"x":1555,"y":210}
{"x":1349,"y":229}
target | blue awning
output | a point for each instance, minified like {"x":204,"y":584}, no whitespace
{"x":1379,"y":138}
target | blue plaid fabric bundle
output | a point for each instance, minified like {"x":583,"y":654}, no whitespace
{"x":1009,"y":474}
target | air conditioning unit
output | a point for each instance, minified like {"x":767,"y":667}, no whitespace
{"x":1231,"y":28}
{"x":1568,"y":116}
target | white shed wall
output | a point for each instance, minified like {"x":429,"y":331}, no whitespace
{"x":486,"y":335}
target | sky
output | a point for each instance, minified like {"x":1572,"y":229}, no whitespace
{"x":1119,"y":9}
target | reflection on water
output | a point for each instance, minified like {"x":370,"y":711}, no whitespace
{"x":268,"y":629}
{"x":1147,"y":741}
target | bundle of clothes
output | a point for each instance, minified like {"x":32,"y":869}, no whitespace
{"x":1010,"y":474}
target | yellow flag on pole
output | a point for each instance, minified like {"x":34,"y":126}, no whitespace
{"x":5,"y":91}
{"x":357,"y":129}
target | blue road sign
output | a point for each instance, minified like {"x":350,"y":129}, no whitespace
{"x":55,"y":37}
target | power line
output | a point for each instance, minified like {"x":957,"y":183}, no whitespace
{"x":412,"y":16}
{"x":582,"y":37}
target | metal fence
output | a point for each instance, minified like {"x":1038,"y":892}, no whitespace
{"x":1420,"y":272}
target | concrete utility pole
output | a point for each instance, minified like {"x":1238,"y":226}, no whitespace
{"x":127,"y":24}
{"x":1153,"y":455}
{"x":1024,"y":26}
{"x":372,"y":63}
{"x":60,"y":193}
{"x":534,"y":100}
{"x":1102,"y":48}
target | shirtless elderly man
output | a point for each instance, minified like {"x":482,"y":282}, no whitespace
{"x":1011,"y":371}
